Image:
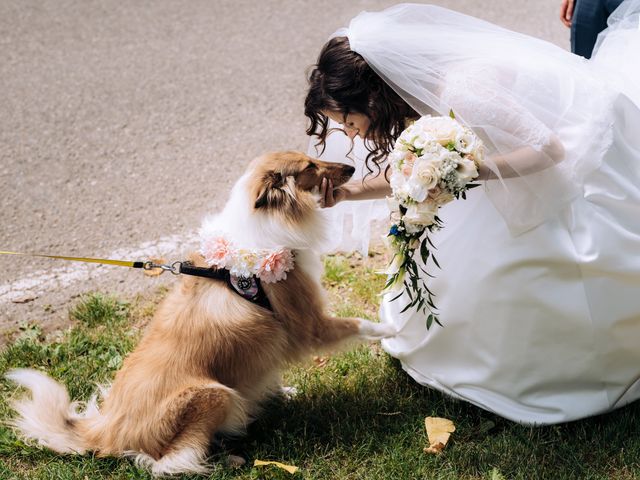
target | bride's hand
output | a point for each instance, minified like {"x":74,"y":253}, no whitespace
{"x":329,"y":196}
{"x":371,"y":188}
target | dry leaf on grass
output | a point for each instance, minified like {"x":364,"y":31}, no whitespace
{"x":289,"y":468}
{"x":438,"y":431}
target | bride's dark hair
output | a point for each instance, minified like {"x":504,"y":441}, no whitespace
{"x":341,"y":81}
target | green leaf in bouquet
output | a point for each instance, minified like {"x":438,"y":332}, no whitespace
{"x":430,"y":303}
{"x":427,"y":273}
{"x":397,"y":296}
{"x":472,"y":185}
{"x":451,"y":114}
{"x":407,"y":307}
{"x":408,"y":290}
{"x":424,"y":251}
{"x":430,"y":242}
{"x":414,"y":281}
{"x":431,"y":294}
{"x":433,"y":257}
{"x":391,"y":279}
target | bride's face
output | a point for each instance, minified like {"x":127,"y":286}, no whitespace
{"x":353,"y":124}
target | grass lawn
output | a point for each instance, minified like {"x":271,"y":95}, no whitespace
{"x":357,"y":415}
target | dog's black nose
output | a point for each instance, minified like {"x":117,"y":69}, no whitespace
{"x":349,"y":170}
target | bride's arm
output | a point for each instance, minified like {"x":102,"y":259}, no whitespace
{"x":523,"y":161}
{"x":485,"y":100}
{"x":369,"y":188}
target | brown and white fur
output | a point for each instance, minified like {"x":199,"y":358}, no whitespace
{"x":209,"y":357}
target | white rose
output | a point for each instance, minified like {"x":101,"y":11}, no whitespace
{"x":443,"y":129}
{"x":432,"y":149}
{"x":400,"y":145}
{"x":422,"y":141}
{"x":399,"y":186}
{"x":427,"y":173}
{"x":413,"y":131}
{"x":466,"y":170}
{"x":466,"y":141}
{"x":409,"y":134}
{"x":393,"y":204}
{"x":416,"y":189}
{"x":478,"y":153}
{"x":396,"y":158}
{"x":421,"y":214}
{"x":403,"y":194}
{"x":397,"y":180}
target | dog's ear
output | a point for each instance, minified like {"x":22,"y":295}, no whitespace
{"x":278,"y":192}
{"x":270,"y":190}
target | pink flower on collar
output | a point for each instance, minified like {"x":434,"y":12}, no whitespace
{"x":275,"y":266}
{"x":217,"y":251}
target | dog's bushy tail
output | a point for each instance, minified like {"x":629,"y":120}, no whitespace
{"x":49,"y":417}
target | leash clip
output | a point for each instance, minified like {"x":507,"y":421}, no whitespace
{"x":174,"y":268}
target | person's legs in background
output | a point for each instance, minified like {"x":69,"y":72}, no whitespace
{"x":589,"y":19}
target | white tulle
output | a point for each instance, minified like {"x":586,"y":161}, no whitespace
{"x":351,"y":221}
{"x":517,"y":92}
{"x":540,"y":276}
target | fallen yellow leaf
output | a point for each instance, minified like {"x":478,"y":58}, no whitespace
{"x":289,"y":468}
{"x":438,"y":431}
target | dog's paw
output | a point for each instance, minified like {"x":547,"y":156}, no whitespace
{"x":288,"y":393}
{"x":376,"y":331}
{"x":236,"y":461}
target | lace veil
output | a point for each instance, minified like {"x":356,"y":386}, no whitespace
{"x":543,"y":113}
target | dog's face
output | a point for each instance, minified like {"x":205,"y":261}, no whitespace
{"x":286,"y":181}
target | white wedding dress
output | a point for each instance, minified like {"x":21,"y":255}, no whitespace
{"x":543,"y":327}
{"x":539,"y":291}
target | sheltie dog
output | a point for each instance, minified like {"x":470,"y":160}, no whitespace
{"x":209,"y":357}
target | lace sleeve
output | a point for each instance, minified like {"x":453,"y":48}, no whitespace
{"x":482,"y":99}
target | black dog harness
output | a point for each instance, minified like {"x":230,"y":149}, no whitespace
{"x":248,"y":288}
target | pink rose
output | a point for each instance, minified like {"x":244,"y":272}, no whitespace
{"x":217,"y":251}
{"x":275,"y":266}
{"x":409,"y":160}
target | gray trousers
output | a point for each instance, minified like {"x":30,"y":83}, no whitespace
{"x":589,"y":19}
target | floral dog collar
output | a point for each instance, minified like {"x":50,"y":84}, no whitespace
{"x":270,"y":266}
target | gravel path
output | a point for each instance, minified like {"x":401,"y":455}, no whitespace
{"x":123,"y":123}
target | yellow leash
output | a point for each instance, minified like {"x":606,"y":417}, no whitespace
{"x":105,"y":261}
{"x":149,"y":267}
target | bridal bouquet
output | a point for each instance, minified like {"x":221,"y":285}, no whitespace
{"x":432,"y":163}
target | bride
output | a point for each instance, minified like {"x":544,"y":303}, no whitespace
{"x":539,"y":292}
